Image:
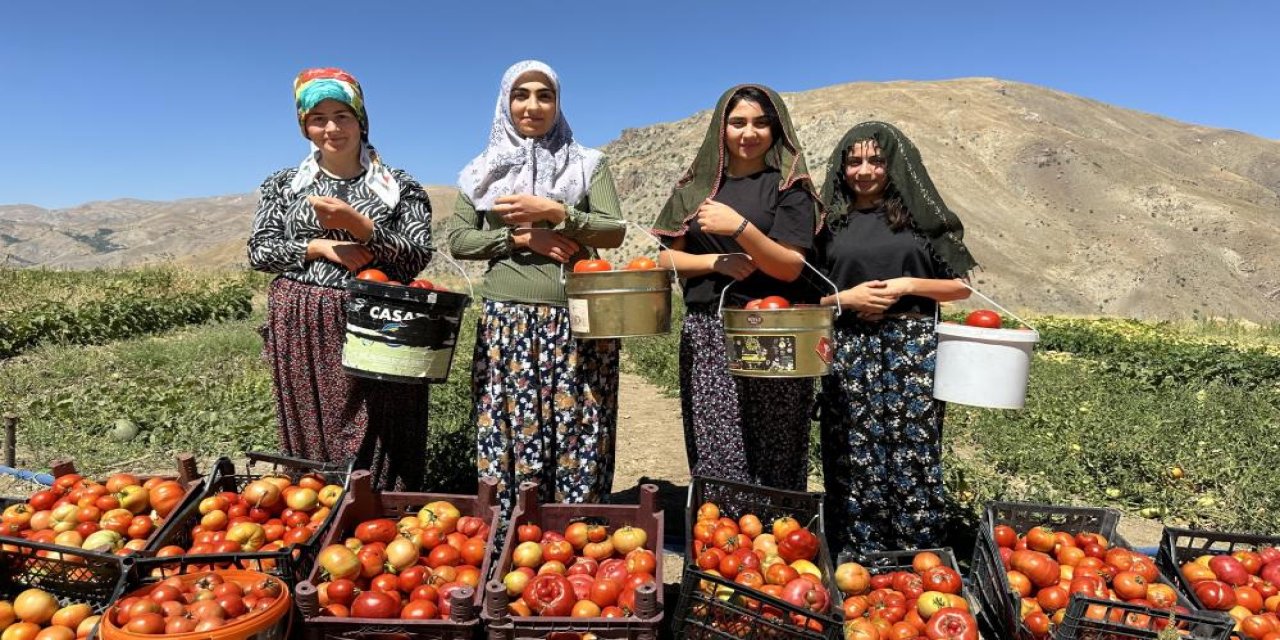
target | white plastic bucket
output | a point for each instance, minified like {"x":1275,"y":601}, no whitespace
{"x":983,"y":367}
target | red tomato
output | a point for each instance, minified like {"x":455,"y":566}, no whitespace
{"x":1215,"y":594}
{"x":549,"y":595}
{"x":983,"y":318}
{"x":942,"y":578}
{"x":951,"y":624}
{"x":775,"y":302}
{"x":419,"y":610}
{"x":421,"y":284}
{"x":374,"y":275}
{"x":375,"y":604}
{"x":591,"y":266}
{"x":641,"y":263}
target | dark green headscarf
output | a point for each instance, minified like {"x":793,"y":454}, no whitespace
{"x":703,"y":178}
{"x":908,"y":179}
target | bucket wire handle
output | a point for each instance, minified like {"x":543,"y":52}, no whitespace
{"x":457,"y":265}
{"x":997,"y":305}
{"x":675,"y":275}
{"x":720,"y":310}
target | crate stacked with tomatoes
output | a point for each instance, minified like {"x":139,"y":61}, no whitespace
{"x":406,"y":563}
{"x":50,"y":594}
{"x":1045,"y":570}
{"x":1234,"y":573}
{"x":277,"y":508}
{"x":173,"y":597}
{"x":578,"y":570}
{"x":905,"y":595}
{"x":120,"y":515}
{"x":756,"y":560}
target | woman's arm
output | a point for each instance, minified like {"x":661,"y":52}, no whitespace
{"x":779,"y":260}
{"x":405,"y":240}
{"x":270,"y":249}
{"x":602,"y":225}
{"x":468,"y":239}
{"x":939,"y":289}
{"x":734,"y":265}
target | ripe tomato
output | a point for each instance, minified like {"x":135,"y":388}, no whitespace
{"x":641,"y":263}
{"x":419,"y":610}
{"x":592,"y":265}
{"x":775,"y":302}
{"x":942,"y":578}
{"x":421,"y":284}
{"x":985,"y":318}
{"x":1005,"y":536}
{"x":374,"y":275}
{"x":375,"y":604}
{"x":1215,"y":594}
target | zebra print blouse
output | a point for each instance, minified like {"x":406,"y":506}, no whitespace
{"x":286,"y":222}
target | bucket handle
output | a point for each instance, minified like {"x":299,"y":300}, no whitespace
{"x":720,"y":310}
{"x":458,"y":266}
{"x":675,"y":276}
{"x":997,"y":305}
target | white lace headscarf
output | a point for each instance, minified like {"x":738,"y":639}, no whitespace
{"x":553,"y":166}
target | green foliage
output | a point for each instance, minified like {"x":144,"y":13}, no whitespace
{"x":657,"y":358}
{"x":132,"y":311}
{"x":201,"y":389}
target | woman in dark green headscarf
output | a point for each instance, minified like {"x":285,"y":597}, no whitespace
{"x":744,"y":214}
{"x":895,"y":250}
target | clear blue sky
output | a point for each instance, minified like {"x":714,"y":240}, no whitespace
{"x":168,"y":99}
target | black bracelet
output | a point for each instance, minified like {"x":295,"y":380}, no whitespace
{"x":742,"y":227}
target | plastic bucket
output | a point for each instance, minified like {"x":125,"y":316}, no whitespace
{"x":401,"y":334}
{"x":984,"y":367}
{"x":271,"y":623}
{"x":619,"y":304}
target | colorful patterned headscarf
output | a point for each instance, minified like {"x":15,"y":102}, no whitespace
{"x":316,"y":85}
{"x":312,"y":87}
{"x":554,"y":166}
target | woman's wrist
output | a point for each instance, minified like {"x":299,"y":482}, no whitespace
{"x":741,"y":227}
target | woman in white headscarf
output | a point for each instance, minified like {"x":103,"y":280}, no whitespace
{"x":533,"y":203}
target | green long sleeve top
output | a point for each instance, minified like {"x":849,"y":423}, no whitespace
{"x":521,"y":275}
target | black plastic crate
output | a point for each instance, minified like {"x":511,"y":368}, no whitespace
{"x":224,"y":477}
{"x":890,"y":561}
{"x":1180,"y":546}
{"x":1092,"y":619}
{"x":647,"y":619}
{"x":96,"y":579}
{"x":702,"y":615}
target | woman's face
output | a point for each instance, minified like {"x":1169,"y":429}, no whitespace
{"x":533,"y":105}
{"x":333,"y":128}
{"x":864,"y":170}
{"x":747,"y":131}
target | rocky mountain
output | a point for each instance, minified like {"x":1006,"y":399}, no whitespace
{"x":1070,"y":205}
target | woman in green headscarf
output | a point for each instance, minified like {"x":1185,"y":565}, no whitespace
{"x":895,"y":250}
{"x":744,"y":214}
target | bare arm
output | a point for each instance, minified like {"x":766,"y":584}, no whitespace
{"x":734,"y":265}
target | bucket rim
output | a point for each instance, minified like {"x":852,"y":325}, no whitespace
{"x":405,"y":293}
{"x":983,"y":333}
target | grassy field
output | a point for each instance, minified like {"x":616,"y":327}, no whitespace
{"x":1160,"y":420}
{"x":25,"y":288}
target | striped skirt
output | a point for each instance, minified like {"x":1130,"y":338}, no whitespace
{"x":323,"y":413}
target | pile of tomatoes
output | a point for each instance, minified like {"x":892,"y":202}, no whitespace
{"x":269,"y":514}
{"x":194,"y":603}
{"x":923,"y":602}
{"x":595,"y":265}
{"x":404,"y":568}
{"x":378,"y":275}
{"x":1046,"y":568}
{"x":586,"y":571}
{"x":1245,"y":584}
{"x":37,"y":614}
{"x":779,"y":562}
{"x":116,"y":516}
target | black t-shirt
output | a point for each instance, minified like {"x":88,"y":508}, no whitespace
{"x":864,"y":248}
{"x":786,"y":217}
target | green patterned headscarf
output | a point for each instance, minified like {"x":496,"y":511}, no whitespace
{"x":908,"y":179}
{"x":703,"y":178}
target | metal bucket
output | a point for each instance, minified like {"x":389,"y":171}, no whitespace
{"x":779,"y":343}
{"x":619,"y":304}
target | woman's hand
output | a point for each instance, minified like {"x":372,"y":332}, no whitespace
{"x":333,"y":213}
{"x":351,"y":255}
{"x":872,"y":297}
{"x":545,"y":242}
{"x":522,"y":209}
{"x":735,"y":265}
{"x":717,"y":218}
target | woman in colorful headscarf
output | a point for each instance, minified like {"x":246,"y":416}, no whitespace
{"x":340,"y":211}
{"x":533,"y":202}
{"x":895,"y":251}
{"x":744,"y":214}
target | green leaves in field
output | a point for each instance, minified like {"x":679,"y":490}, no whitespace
{"x":123,"y":316}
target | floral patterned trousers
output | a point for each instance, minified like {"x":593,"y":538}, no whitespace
{"x":882,"y":438}
{"x":546,"y":404}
